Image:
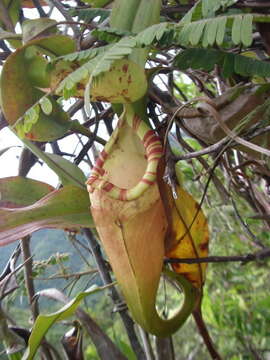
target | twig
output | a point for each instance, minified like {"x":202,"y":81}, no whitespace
{"x":68,"y":276}
{"x":39,"y":8}
{"x":197,"y":315}
{"x":29,"y":283}
{"x":257,"y":256}
{"x":66,"y":15}
{"x":246,"y":227}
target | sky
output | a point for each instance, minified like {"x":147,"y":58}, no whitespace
{"x":10,"y":159}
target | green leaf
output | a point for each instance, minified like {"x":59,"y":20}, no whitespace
{"x":246,"y":30}
{"x":221,"y":30}
{"x":46,"y":106}
{"x":67,"y":208}
{"x":195,"y":13}
{"x":88,"y":15}
{"x":67,"y":167}
{"x":195,"y":35}
{"x":121,"y":49}
{"x":236,"y":29}
{"x":212,"y":31}
{"x":228,"y":65}
{"x":13,"y":10}
{"x":13,"y":191}
{"x":110,"y":35}
{"x":37,"y":27}
{"x":152,"y":33}
{"x":97,"y":3}
{"x":99,"y":64}
{"x":68,"y":172}
{"x":183,"y":37}
{"x":19,"y":94}
{"x":44,"y":322}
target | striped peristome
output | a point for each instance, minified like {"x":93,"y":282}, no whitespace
{"x":153,"y":151}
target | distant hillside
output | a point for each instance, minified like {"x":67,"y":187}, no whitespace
{"x":44,"y":244}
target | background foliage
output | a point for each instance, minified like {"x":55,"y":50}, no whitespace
{"x":199,"y":49}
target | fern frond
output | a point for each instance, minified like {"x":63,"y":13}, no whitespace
{"x":97,"y":65}
{"x":88,"y":15}
{"x":206,"y":59}
{"x":194,"y":14}
{"x":152,"y":34}
{"x":110,"y":35}
{"x":207,"y":32}
{"x":83,"y":55}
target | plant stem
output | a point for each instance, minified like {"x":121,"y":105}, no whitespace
{"x":29,"y":284}
{"x":165,"y":350}
{"x":197,"y":314}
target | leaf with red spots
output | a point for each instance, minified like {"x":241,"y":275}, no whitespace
{"x":23,"y":73}
{"x":187,"y":235}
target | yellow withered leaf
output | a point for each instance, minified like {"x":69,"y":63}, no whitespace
{"x":187,"y":235}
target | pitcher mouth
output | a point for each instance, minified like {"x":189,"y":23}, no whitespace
{"x":153,"y":152}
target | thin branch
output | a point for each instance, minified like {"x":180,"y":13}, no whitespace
{"x":68,"y":276}
{"x":197,"y":315}
{"x":257,"y":256}
{"x":39,"y":8}
{"x":67,"y":16}
{"x":29,"y":283}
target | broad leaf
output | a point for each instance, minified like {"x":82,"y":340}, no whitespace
{"x":18,"y":95}
{"x":22,"y":73}
{"x":67,"y":172}
{"x":37,"y":27}
{"x":188,"y":234}
{"x":13,"y":10}
{"x":67,"y":208}
{"x":44,"y":322}
{"x":17,"y":191}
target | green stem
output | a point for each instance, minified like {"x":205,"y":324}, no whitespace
{"x":78,"y":128}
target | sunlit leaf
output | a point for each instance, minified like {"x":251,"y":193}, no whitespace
{"x":187,"y":235}
{"x":44,"y":322}
{"x":13,"y":10}
{"x":67,"y":208}
{"x":67,"y":167}
{"x":22,"y":72}
{"x":18,"y":191}
{"x":37,"y":27}
{"x":18,"y":95}
{"x":67,"y":172}
{"x":46,"y":106}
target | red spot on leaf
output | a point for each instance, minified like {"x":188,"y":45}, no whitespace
{"x":125,"y":68}
{"x":204,"y":246}
{"x":30,"y":136}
